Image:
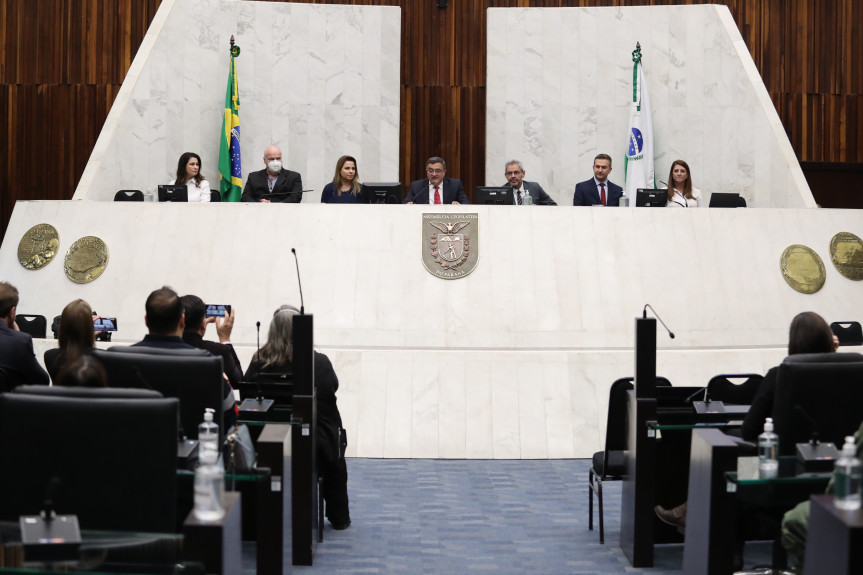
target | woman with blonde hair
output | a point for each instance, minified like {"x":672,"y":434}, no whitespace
{"x":345,"y":187}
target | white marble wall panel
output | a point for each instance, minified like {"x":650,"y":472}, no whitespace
{"x":513,"y":361}
{"x":560,"y":85}
{"x":320,"y":81}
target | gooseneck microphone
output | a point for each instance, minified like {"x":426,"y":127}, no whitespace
{"x":299,"y":283}
{"x":644,"y":315}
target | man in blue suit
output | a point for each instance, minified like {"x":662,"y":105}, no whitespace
{"x":18,"y":364}
{"x":437,"y":188}
{"x":598,"y":191}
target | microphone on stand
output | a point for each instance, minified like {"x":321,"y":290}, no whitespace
{"x":644,"y":315}
{"x":299,"y":283}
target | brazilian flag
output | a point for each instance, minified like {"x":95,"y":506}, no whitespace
{"x":230,"y":172}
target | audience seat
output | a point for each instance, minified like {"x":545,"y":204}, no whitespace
{"x":610,"y":464}
{"x":215,"y":196}
{"x":193,"y":376}
{"x":824,"y":388}
{"x":35,"y":325}
{"x":113,"y":451}
{"x":724,"y":388}
{"x":848,"y":332}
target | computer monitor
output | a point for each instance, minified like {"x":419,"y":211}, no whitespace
{"x":382,"y":193}
{"x":494,"y":196}
{"x":173,"y":193}
{"x":725,"y":200}
{"x":651,"y":198}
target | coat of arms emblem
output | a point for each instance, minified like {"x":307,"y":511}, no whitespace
{"x":450,"y":244}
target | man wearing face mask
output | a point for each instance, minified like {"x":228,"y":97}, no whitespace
{"x":274,"y":183}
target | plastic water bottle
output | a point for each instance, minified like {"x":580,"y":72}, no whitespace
{"x":208,"y":432}
{"x":768,"y":447}
{"x":847,"y":478}
{"x":209,"y":487}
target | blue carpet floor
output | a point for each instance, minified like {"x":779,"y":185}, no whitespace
{"x":478,"y":516}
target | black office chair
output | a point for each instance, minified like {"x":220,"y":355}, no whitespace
{"x":809,"y":390}
{"x":129,"y":196}
{"x":115,"y":456}
{"x":610,"y":464}
{"x":215,"y":196}
{"x":848,"y":332}
{"x":35,"y":325}
{"x":5,"y":381}
{"x":193,"y":376}
{"x":734,"y":388}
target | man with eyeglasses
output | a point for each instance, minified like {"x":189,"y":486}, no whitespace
{"x":522,"y":189}
{"x":437,"y":188}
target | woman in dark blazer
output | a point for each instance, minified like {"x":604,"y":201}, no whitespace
{"x":76,"y":337}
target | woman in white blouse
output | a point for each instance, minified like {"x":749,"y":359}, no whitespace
{"x":189,"y":173}
{"x":681,"y":193}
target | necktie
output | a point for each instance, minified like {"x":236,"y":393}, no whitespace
{"x":602,"y":192}
{"x":436,"y":195}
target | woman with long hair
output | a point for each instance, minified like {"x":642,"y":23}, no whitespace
{"x":681,"y":193}
{"x":345,"y":187}
{"x":275,"y":357}
{"x":189,"y":173}
{"x":76,"y":337}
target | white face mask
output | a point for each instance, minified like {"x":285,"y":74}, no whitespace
{"x":275,"y":166}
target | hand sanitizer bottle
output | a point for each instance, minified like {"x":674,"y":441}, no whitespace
{"x":768,"y":448}
{"x":847,"y":478}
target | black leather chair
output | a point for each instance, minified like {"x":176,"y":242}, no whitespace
{"x":215,"y":196}
{"x":824,"y":390}
{"x":610,"y":464}
{"x":848,"y":332}
{"x":129,"y":196}
{"x":35,"y":325}
{"x":192,"y":376}
{"x":113,"y":451}
{"x":734,"y":388}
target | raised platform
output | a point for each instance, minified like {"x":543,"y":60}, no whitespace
{"x":513,"y":361}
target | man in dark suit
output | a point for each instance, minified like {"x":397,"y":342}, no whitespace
{"x":598,"y":191}
{"x":195,"y":311}
{"x":437,"y":188}
{"x":273,"y":183}
{"x":165,"y":321}
{"x":515,"y":173}
{"x":18,"y":364}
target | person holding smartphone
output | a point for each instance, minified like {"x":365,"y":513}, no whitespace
{"x":196,"y":327}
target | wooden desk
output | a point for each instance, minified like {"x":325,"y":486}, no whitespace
{"x":833,"y":540}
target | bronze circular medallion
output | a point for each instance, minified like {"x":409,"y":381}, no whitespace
{"x":86,"y":259}
{"x":846,"y":252}
{"x":38,"y":246}
{"x":802,"y":269}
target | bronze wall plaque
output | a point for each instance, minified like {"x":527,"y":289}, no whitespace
{"x":450,"y":244}
{"x":38,"y":246}
{"x":846,"y":252}
{"x":86,"y":259}
{"x":802,"y":269}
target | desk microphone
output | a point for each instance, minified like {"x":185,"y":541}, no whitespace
{"x":644,"y":315}
{"x":300,"y":284}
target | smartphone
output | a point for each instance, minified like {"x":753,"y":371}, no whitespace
{"x":218,"y":310}
{"x":105,"y":324}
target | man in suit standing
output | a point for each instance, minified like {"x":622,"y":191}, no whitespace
{"x":437,"y":189}
{"x":273,"y":183}
{"x":195,"y":311}
{"x":521,"y":188}
{"x":18,"y":364}
{"x":598,"y":190}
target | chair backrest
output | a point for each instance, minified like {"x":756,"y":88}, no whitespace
{"x":35,"y":325}
{"x":817,"y":396}
{"x":116,"y":459}
{"x":5,"y":381}
{"x":734,"y":388}
{"x":615,"y":428}
{"x":196,"y":380}
{"x":848,"y":332}
{"x":215,"y":196}
{"x":89,"y":392}
{"x":129,"y":196}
